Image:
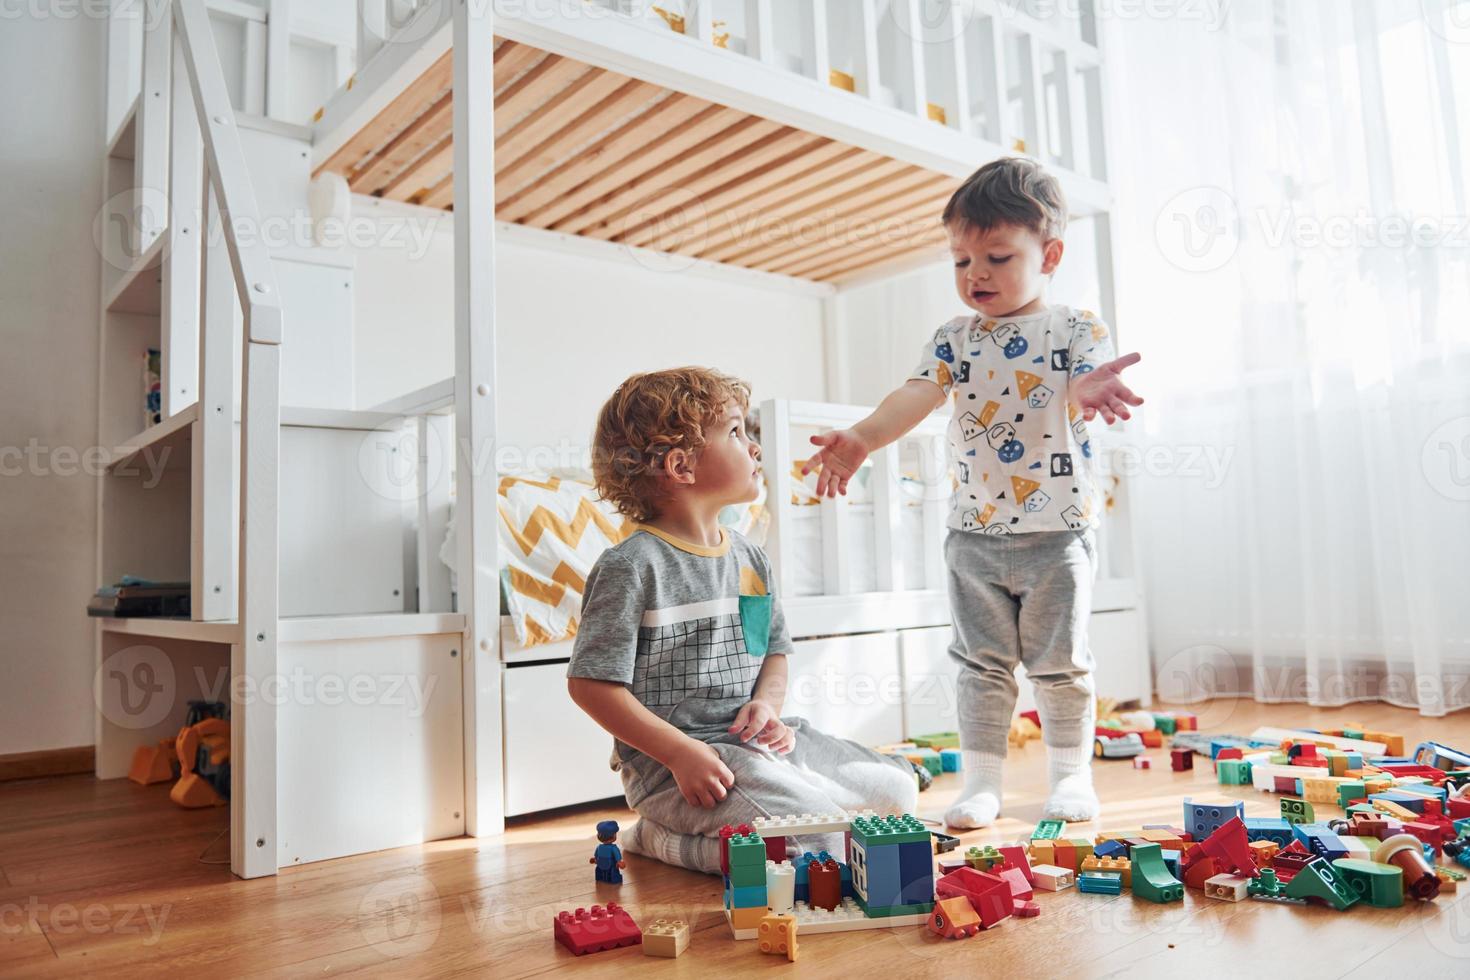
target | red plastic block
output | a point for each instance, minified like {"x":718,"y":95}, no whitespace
{"x":1016,"y":879}
{"x":592,"y":931}
{"x":1025,"y":910}
{"x":1428,"y":833}
{"x":1230,"y":849}
{"x":775,"y":849}
{"x":1015,"y":855}
{"x":1181,"y":759}
{"x":1233,"y":752}
{"x":726,"y":832}
{"x":989,"y":895}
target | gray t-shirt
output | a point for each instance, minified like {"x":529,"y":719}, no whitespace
{"x":685,"y":627}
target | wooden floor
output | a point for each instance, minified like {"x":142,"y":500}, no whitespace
{"x":105,"y":877}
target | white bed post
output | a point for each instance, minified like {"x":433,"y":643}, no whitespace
{"x":776,"y":450}
{"x":909,"y":24}
{"x":434,"y":434}
{"x":180,"y":305}
{"x":995,"y":83}
{"x":1037,"y":139}
{"x":253,"y":843}
{"x":818,"y":54}
{"x":760,"y":32}
{"x":700,"y":24}
{"x":277,"y":58}
{"x":252,"y":91}
{"x":867,"y":57}
{"x":958,"y":19}
{"x":213,"y":582}
{"x":474,"y":406}
{"x":150,"y":159}
{"x":372,"y":25}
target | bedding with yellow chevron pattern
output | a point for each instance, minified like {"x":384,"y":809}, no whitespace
{"x":552,"y":530}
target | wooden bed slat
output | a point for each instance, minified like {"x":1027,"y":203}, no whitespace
{"x":583,"y":150}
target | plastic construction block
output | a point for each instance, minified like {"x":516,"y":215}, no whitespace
{"x":775,"y":849}
{"x":939,"y":740}
{"x":899,"y":911}
{"x":950,"y":760}
{"x":666,"y":937}
{"x":1142,"y":762}
{"x":927,"y":759}
{"x":1023,"y":909}
{"x":807,"y":823}
{"x":875,"y":875}
{"x":988,"y":894}
{"x":1015,"y":855}
{"x":1378,"y":885}
{"x":748,"y":876}
{"x":954,"y":918}
{"x":747,"y":919}
{"x":747,"y":850}
{"x":824,"y":881}
{"x":780,"y":887}
{"x":1318,"y":880}
{"x":1151,"y":879}
{"x":1048,"y":830}
{"x":1111,"y":848}
{"x":1233,"y":772}
{"x":1229,"y":847}
{"x":1016,"y":879}
{"x":777,"y":935}
{"x":1404,"y":851}
{"x":890,"y":829}
{"x":753,"y":897}
{"x":1180,"y":759}
{"x":915,"y":873}
{"x":1203,"y":819}
{"x":1228,"y":888}
{"x":1120,"y":866}
{"x":1100,"y":883}
{"x":943,"y":843}
{"x":984,"y":858}
{"x":1050,"y":878}
{"x":1296,"y":811}
{"x":596,"y":929}
{"x":1349,"y":793}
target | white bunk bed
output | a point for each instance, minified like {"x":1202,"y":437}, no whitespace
{"x":591,"y":126}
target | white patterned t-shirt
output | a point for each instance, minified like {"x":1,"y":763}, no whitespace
{"x":1023,"y":459}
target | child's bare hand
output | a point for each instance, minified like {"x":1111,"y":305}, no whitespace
{"x":758,"y":720}
{"x":842,"y":452}
{"x":701,"y":774}
{"x":1102,"y":390}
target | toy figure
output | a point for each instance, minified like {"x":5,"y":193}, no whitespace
{"x":609,"y":858}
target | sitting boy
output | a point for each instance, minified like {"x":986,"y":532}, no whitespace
{"x":681,"y":650}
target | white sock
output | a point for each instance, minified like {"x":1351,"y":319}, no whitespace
{"x":1069,"y":773}
{"x":979,"y":802}
{"x":662,"y":844}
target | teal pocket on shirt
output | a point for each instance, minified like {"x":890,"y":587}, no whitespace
{"x":755,"y":623}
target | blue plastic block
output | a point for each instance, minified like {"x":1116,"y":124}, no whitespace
{"x":1100,"y":883}
{"x":1320,"y":840}
{"x":1409,"y":801}
{"x":916,"y":873}
{"x":749,"y":897}
{"x":1171,"y":861}
{"x":884,"y":884}
{"x":1111,"y":848}
{"x":1203,"y":819}
{"x":1440,"y":756}
{"x":950,"y":759}
{"x":1273,"y":829}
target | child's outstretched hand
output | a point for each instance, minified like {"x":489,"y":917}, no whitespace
{"x":1102,"y":390}
{"x":758,"y":720}
{"x":842,"y":452}
{"x":701,"y":774}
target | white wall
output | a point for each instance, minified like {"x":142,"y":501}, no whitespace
{"x":570,"y":328}
{"x":51,"y":158}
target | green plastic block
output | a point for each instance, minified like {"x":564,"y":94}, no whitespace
{"x":746,"y":850}
{"x":983,"y":859}
{"x":1347,"y":792}
{"x":1233,"y":772}
{"x":1367,"y":808}
{"x":940,"y":740}
{"x":1165,"y":724}
{"x":1151,"y":877}
{"x":929,"y":760}
{"x":1319,"y":880}
{"x":891,"y":829}
{"x":886,"y":911}
{"x":1266,"y":884}
{"x":1296,"y":811}
{"x":1048,"y":830}
{"x":748,"y":875}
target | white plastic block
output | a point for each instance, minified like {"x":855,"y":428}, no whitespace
{"x":847,"y":917}
{"x":1050,"y":878}
{"x":780,"y":887}
{"x":807,"y":823}
{"x":1227,"y":887}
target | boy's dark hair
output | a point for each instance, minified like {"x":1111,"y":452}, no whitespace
{"x":1009,"y":191}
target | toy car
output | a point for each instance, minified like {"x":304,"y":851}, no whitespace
{"x":1122,"y":747}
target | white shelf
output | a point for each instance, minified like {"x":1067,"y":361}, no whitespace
{"x":335,"y":418}
{"x":172,"y":434}
{"x":310,"y":629}
{"x":140,"y":288}
{"x":172,"y":629}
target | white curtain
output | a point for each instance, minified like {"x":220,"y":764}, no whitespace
{"x":1293,"y":262}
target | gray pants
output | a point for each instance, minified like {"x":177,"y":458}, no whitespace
{"x":821,"y":774}
{"x":1022,"y":599}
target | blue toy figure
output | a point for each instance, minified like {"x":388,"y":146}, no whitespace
{"x":609,"y":859}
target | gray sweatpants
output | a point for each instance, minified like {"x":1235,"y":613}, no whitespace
{"x":821,"y":774}
{"x":1022,"y":599}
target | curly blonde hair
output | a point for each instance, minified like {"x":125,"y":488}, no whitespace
{"x":649,"y":415}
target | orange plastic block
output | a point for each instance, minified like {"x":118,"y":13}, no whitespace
{"x":777,"y":935}
{"x":193,"y":792}
{"x":954,"y":918}
{"x":153,"y":763}
{"x":1199,"y":872}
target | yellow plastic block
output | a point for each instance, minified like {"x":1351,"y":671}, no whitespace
{"x":1121,"y":866}
{"x":666,"y":937}
{"x":777,"y":935}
